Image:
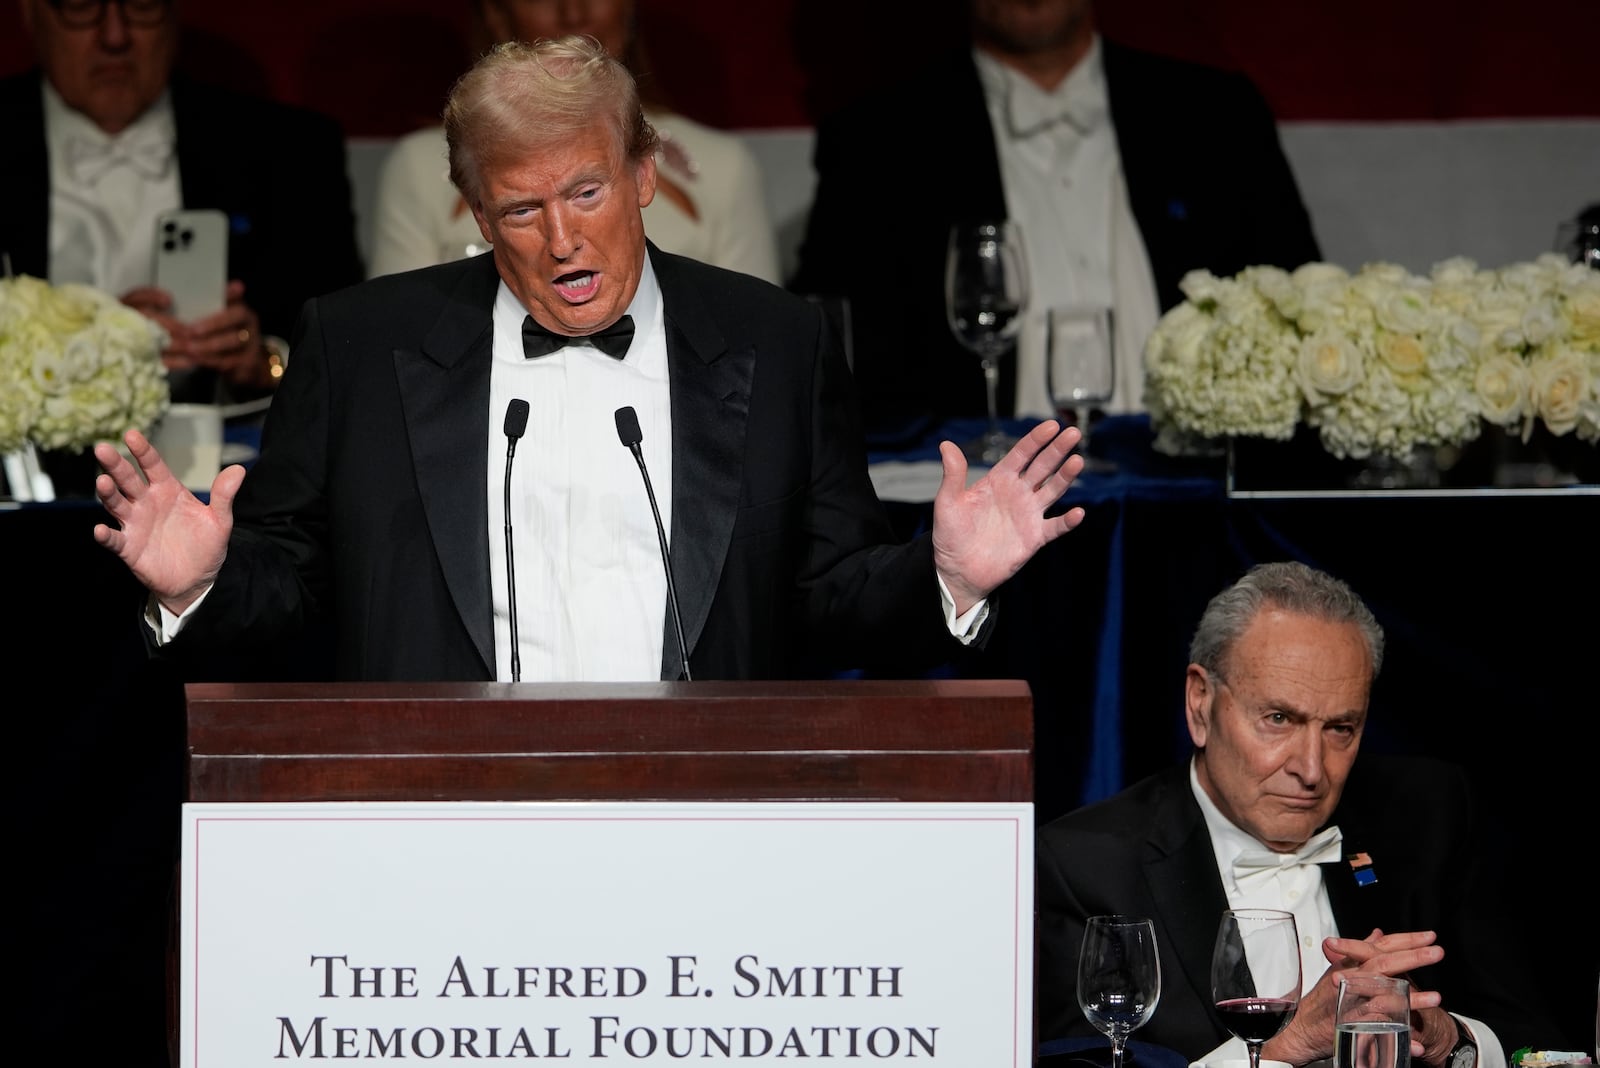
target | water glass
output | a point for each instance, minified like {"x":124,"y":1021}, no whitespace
{"x":1080,"y":369}
{"x":1372,"y":1023}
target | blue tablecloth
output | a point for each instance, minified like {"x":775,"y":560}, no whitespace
{"x":1096,"y":1053}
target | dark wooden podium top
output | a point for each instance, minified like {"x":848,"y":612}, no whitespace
{"x":915,"y":740}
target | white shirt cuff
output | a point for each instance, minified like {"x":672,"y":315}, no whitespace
{"x":1491,"y":1054}
{"x":966,"y":626}
{"x":164,"y":624}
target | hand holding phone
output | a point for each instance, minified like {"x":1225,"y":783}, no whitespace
{"x":191,"y":261}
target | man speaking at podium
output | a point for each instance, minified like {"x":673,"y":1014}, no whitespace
{"x":438,"y":425}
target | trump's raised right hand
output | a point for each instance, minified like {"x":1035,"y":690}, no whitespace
{"x":172,"y":542}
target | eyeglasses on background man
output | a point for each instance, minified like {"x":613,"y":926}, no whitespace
{"x":82,"y":14}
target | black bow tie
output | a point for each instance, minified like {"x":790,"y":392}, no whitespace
{"x":613,"y":340}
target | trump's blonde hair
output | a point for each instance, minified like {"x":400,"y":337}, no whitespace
{"x":521,"y":99}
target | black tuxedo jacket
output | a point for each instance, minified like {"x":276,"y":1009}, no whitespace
{"x":1146,"y":852}
{"x":368,"y":502}
{"x":277,"y":171}
{"x":1207,"y":182}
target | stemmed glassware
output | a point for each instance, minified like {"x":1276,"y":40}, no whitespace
{"x":1080,"y":369}
{"x":985,"y":299}
{"x":1119,"y":977}
{"x":1255,"y":975}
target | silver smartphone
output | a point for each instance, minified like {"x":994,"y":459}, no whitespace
{"x":192,"y":260}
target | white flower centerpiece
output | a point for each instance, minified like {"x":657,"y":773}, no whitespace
{"x":76,"y":367}
{"x":1379,"y":362}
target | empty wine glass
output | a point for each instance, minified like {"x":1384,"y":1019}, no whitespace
{"x":1080,"y":369}
{"x":1119,"y":977}
{"x":1255,"y":975}
{"x":985,"y":296}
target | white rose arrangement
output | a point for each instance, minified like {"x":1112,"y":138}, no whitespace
{"x":76,"y":366}
{"x":1381,"y":361}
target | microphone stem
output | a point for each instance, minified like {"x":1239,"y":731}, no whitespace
{"x":511,"y":571}
{"x":661,"y":536}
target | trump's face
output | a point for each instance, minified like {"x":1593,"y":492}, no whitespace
{"x":110,"y":61}
{"x":1278,"y":728}
{"x":566,"y":228}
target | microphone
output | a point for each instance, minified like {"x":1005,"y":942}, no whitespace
{"x":630,"y":435}
{"x":516,"y":426}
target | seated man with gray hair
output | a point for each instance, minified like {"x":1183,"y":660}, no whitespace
{"x":1376,"y":859}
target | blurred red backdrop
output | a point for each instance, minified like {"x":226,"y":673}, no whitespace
{"x":382,"y":66}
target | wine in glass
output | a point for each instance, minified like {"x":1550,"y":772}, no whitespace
{"x":1119,"y":977}
{"x":985,"y":297}
{"x":1080,"y":369}
{"x":1255,"y":975}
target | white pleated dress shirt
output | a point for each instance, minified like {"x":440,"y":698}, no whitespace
{"x":591,"y":586}
{"x":106,"y":193}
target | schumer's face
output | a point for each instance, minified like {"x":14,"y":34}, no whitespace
{"x":1279,"y":727}
{"x":567,"y":231}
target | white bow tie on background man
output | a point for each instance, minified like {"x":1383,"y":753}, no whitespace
{"x":1030,"y":109}
{"x":147,"y":152}
{"x":1254,"y":866}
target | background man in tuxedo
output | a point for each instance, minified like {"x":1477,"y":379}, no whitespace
{"x":375,"y":499}
{"x":103,"y":138}
{"x":1377,"y":861}
{"x":1125,"y":169}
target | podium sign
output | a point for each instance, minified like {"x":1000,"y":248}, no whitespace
{"x":606,"y":932}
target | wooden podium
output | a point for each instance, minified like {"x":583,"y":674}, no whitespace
{"x":928,"y":740}
{"x":834,"y":741}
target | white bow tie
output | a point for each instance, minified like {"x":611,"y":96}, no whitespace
{"x":1029,"y":111}
{"x":90,"y":159}
{"x":1320,"y":849}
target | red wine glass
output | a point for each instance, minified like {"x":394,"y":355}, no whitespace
{"x":1255,"y":975}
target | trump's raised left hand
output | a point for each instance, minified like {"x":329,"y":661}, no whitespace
{"x":985,"y":532}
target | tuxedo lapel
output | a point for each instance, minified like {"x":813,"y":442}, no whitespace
{"x":1359,"y":905}
{"x":25,"y":178}
{"x":710,"y":386}
{"x":1139,"y":116}
{"x":203,"y":164}
{"x":1184,"y":883}
{"x":971,"y":178}
{"x":209,"y":176}
{"x":444,"y":389}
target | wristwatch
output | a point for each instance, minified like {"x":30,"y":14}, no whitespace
{"x":1465,"y":1053}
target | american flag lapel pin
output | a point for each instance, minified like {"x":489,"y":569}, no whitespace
{"x":1361,"y":868}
